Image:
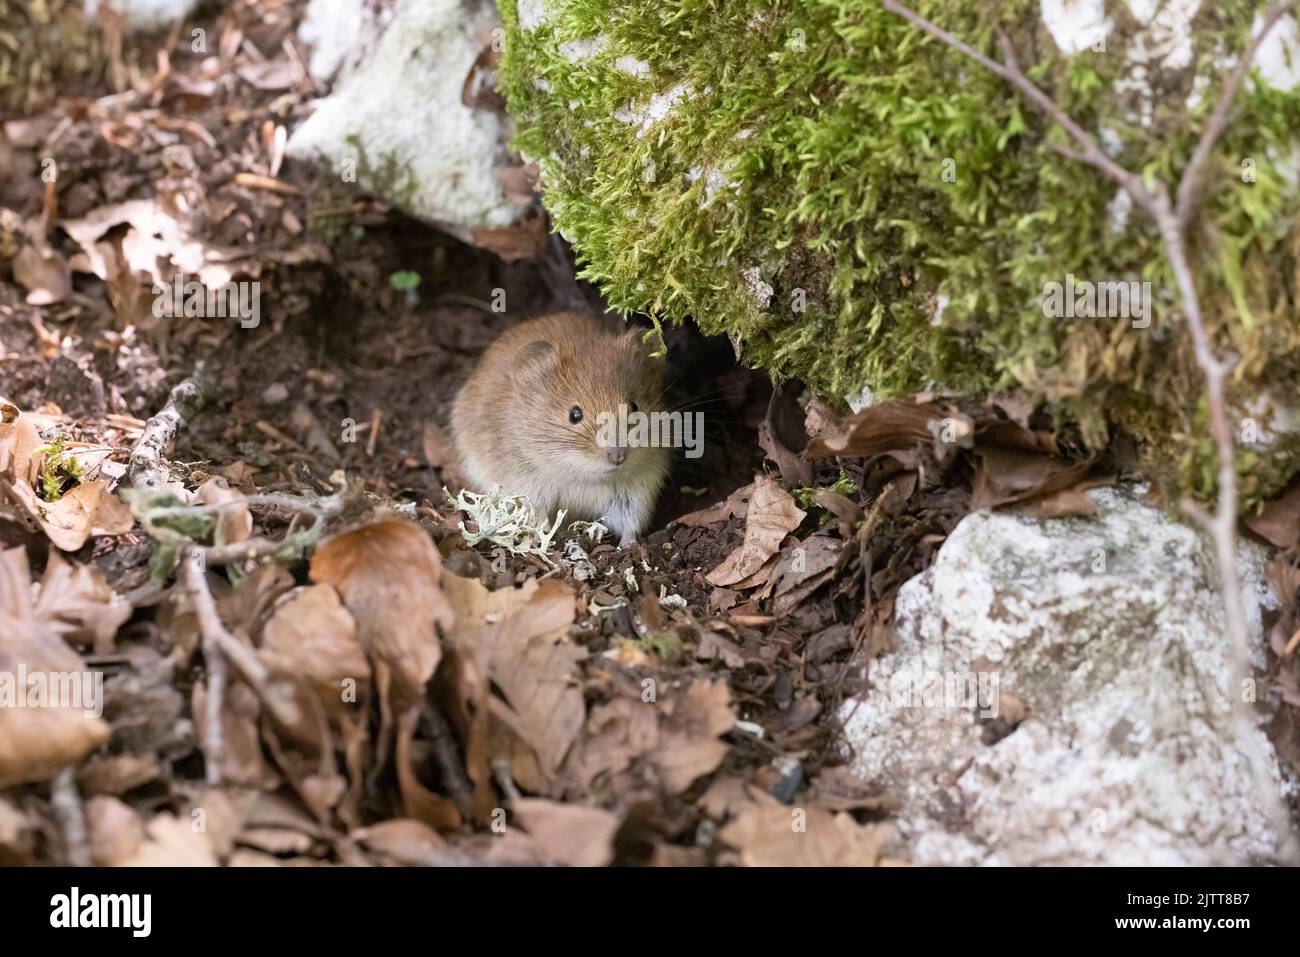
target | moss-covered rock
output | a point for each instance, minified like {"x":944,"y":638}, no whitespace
{"x":858,"y":205}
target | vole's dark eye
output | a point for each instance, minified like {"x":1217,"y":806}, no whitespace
{"x":575,"y":414}
{"x":634,"y":408}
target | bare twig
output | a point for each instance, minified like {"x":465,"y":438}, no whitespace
{"x":1172,"y":222}
{"x":146,"y":469}
{"x":1222,"y":115}
{"x":220,"y":643}
{"x":65,"y":801}
{"x":451,"y":768}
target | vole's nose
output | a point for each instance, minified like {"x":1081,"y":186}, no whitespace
{"x":616,"y":455}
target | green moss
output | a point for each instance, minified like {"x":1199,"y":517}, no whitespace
{"x":57,"y":468}
{"x":903,"y":206}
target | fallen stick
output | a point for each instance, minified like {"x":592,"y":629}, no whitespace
{"x":146,"y":468}
{"x":65,"y":801}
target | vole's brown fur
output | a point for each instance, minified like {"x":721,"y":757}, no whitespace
{"x":511,"y":420}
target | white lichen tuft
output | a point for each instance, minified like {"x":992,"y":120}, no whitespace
{"x":1076,"y":25}
{"x":659,"y":106}
{"x":1167,"y":39}
{"x":575,"y":51}
{"x":758,"y":290}
{"x":510,"y":521}
{"x":1118,"y":209}
{"x":532,"y":13}
{"x":632,"y":66}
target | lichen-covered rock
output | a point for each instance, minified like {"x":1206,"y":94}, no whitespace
{"x":146,"y":15}
{"x":1104,"y":638}
{"x":396,"y":124}
{"x":857,"y":205}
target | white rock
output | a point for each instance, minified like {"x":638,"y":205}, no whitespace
{"x":1278,"y":57}
{"x":143,"y":16}
{"x":400,"y":112}
{"x":339,"y":33}
{"x":1110,"y":633}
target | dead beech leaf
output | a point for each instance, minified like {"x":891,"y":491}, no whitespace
{"x":311,"y":634}
{"x":1005,"y":475}
{"x":736,"y":505}
{"x":1277,"y":521}
{"x":617,"y":733}
{"x":880,"y":429}
{"x":772,"y":515}
{"x":402,"y":840}
{"x":779,"y":836}
{"x":388,"y":576}
{"x":436,"y":811}
{"x":171,"y":842}
{"x":568,"y":834}
{"x":535,"y":666}
{"x":1066,"y":501}
{"x":782,"y":437}
{"x":687,"y":745}
{"x":116,"y":831}
{"x":78,"y":604}
{"x":513,"y":243}
{"x":20,"y":437}
{"x":38,"y":739}
{"x":234,"y":523}
{"x":84,"y":510}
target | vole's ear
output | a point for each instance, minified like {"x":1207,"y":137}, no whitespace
{"x":533,"y":360}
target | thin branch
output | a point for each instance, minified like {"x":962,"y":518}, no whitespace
{"x":65,"y":801}
{"x":1092,"y":154}
{"x":146,"y":468}
{"x":1221,"y":116}
{"x":217,"y":641}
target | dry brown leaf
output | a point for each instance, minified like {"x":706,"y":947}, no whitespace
{"x":402,"y":840}
{"x":436,"y":811}
{"x":20,"y":437}
{"x":35,"y":743}
{"x":84,"y":510}
{"x":117,"y":773}
{"x":1004,"y":475}
{"x":37,"y":739}
{"x":76,"y":603}
{"x":880,"y":429}
{"x":782,"y":437}
{"x":617,"y":733}
{"x":736,"y":505}
{"x":535,"y":666}
{"x":688,"y":744}
{"x":568,"y":834}
{"x":388,"y":576}
{"x":172,"y":842}
{"x":772,"y":515}
{"x":513,"y":243}
{"x":779,"y":836}
{"x":311,"y":634}
{"x":234,"y":523}
{"x":115,"y":830}
{"x":1278,"y":521}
